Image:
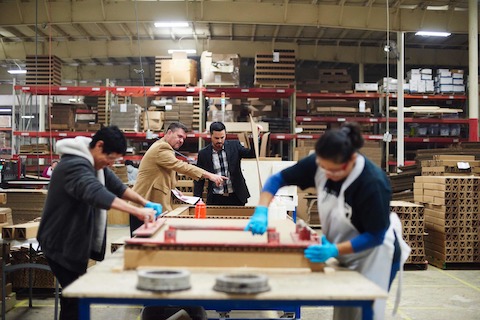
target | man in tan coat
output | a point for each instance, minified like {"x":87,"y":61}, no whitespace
{"x":156,"y":175}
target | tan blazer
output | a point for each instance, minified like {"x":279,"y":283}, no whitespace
{"x":156,"y":175}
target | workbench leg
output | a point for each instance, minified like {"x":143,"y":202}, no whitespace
{"x":84,"y":309}
{"x":367,"y":312}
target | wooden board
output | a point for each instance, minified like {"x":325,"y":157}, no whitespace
{"x":218,"y":248}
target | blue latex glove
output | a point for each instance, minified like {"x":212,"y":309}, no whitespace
{"x":321,"y":252}
{"x":155,"y":206}
{"x":259,"y":221}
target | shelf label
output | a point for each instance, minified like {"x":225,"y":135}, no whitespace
{"x":373,"y":120}
{"x":190,"y":135}
{"x":62,"y":88}
{"x":281,"y":90}
{"x":25,"y":88}
{"x":190,"y":90}
{"x":425,"y":97}
{"x":154,"y":89}
{"x":341,"y":119}
{"x":62,"y":134}
{"x":244,"y":90}
{"x":451,"y":97}
{"x":95,"y":89}
{"x":426,"y":140}
{"x":120,"y":89}
{"x":456,"y":140}
{"x":307,"y":119}
{"x":304,"y":136}
{"x":25,"y":134}
{"x":280,"y":137}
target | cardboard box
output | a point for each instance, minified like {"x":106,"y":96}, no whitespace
{"x":220,"y":68}
{"x":153,"y":120}
{"x":178,"y":72}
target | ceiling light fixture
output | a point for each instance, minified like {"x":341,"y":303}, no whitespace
{"x":432,"y":34}
{"x":17,"y":71}
{"x":171,"y":24}
{"x":187,"y":51}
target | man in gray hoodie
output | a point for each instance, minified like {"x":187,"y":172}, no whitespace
{"x":74,"y":220}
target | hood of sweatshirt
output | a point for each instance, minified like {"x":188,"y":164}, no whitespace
{"x":78,"y":146}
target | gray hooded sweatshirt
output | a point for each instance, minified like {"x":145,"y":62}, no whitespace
{"x":73,"y":225}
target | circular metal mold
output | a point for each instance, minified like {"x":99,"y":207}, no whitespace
{"x":164,"y":280}
{"x":241,"y":283}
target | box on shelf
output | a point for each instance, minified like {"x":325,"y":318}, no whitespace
{"x":153,"y":120}
{"x":126,"y":116}
{"x":178,"y":72}
{"x":220,"y":69}
{"x":366,"y":87}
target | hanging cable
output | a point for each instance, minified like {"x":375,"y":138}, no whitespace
{"x":387,"y":136}
{"x":141,"y":72}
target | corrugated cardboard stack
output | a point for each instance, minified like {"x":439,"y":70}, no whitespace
{"x":178,"y":71}
{"x":194,"y":102}
{"x":413,"y":223}
{"x":275,"y":68}
{"x":220,"y":69}
{"x":44,"y":70}
{"x":335,"y":80}
{"x":452,"y":217}
{"x":126,"y":116}
{"x":25,"y":211}
{"x":443,"y":165}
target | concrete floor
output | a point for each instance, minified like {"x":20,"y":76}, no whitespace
{"x":431,"y":294}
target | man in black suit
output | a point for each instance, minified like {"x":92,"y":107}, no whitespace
{"x":223,"y":157}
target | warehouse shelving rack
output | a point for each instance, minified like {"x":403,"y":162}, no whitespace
{"x":271,"y":93}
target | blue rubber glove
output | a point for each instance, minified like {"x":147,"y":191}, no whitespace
{"x":321,"y":252}
{"x":259,"y":221}
{"x":155,"y":206}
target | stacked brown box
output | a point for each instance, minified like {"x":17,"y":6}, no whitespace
{"x":183,"y":112}
{"x":443,"y":165}
{"x":126,"y":116}
{"x":335,"y":80}
{"x":451,"y":217}
{"x":413,"y":222}
{"x":158,"y":69}
{"x":194,"y":104}
{"x":153,"y":120}
{"x":43,"y":70}
{"x":275,"y":68}
{"x":25,"y":211}
{"x":178,"y":72}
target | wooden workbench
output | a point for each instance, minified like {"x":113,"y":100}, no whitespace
{"x":108,"y":283}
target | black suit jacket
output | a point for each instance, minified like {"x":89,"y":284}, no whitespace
{"x":235,"y":152}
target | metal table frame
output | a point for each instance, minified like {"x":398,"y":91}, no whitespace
{"x":232,"y":304}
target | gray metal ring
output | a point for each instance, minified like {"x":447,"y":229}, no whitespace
{"x":163,"y":280}
{"x":241,"y":283}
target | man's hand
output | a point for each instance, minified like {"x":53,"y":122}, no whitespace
{"x":259,"y":221}
{"x":321,"y":252}
{"x":155,"y":206}
{"x":145,"y":214}
{"x":217,"y":179}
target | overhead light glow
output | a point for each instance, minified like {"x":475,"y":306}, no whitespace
{"x":187,"y":51}
{"x":171,"y":24}
{"x":432,"y":34}
{"x":17,"y":71}
{"x":438,"y":8}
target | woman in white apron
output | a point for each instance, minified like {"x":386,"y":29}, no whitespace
{"x":354,"y":206}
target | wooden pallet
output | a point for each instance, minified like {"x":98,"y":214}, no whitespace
{"x":454,"y":265}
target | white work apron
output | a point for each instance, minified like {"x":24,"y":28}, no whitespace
{"x":375,"y":263}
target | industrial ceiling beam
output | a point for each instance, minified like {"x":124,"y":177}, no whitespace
{"x":352,"y":17}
